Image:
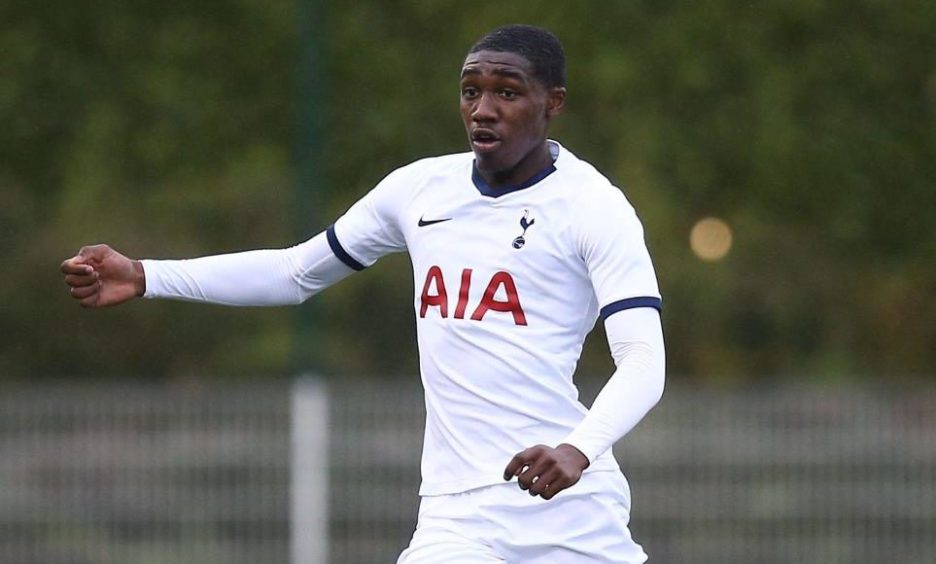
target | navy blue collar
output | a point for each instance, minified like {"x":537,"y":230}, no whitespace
{"x":487,"y":190}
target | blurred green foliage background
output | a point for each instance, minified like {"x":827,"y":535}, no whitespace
{"x":172,"y":129}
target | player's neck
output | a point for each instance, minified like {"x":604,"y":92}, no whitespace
{"x":533,"y":167}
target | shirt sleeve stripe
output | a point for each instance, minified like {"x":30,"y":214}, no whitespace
{"x":630,"y":303}
{"x":339,"y":251}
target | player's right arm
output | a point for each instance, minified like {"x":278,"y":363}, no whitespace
{"x":99,"y":276}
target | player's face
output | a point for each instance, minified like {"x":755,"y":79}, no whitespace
{"x":506,"y":112}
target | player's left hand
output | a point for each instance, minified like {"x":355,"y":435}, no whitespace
{"x":546,"y":471}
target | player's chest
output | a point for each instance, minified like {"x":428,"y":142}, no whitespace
{"x":523,"y":235}
{"x":506,"y":262}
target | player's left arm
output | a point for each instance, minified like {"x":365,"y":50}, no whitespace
{"x":609,"y":239}
{"x":635,"y":337}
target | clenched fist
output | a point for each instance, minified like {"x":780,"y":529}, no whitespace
{"x":99,"y":276}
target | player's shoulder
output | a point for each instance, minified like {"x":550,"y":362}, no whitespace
{"x":403,"y":184}
{"x":594,"y":191}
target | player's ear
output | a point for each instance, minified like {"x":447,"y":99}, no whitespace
{"x":555,"y":101}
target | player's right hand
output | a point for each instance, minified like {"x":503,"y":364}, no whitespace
{"x":99,"y":276}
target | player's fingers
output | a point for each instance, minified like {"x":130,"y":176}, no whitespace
{"x":524,"y":476}
{"x":543,"y":482}
{"x":560,"y":483}
{"x":82,"y":292}
{"x":93,"y":252}
{"x":516,"y":464}
{"x":557,"y":486}
{"x":90,"y":301}
{"x":527,"y":478}
{"x":523,"y":459}
{"x":74,"y":265}
{"x":78,"y":280}
{"x":552,"y":489}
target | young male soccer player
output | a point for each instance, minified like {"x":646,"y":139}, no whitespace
{"x":517,"y":247}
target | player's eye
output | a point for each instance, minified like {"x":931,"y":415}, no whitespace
{"x":508,"y":94}
{"x":469,"y":92}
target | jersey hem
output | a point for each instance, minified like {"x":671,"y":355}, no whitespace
{"x":604,"y":463}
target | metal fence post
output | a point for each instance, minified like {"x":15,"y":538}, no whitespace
{"x":309,"y":472}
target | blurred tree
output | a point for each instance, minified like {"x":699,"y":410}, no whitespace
{"x":166,"y":130}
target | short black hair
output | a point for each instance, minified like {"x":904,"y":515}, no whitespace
{"x":536,"y":44}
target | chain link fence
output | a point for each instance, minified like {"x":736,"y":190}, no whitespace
{"x":144,"y":474}
{"x":147,"y":474}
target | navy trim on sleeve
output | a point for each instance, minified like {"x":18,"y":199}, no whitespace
{"x":339,"y":251}
{"x":630,"y":303}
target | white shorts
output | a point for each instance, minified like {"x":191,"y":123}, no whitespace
{"x":502,"y":523}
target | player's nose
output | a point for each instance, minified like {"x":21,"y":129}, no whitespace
{"x":485,"y":109}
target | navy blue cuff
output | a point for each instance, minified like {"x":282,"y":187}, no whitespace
{"x":631,"y":303}
{"x":339,"y":251}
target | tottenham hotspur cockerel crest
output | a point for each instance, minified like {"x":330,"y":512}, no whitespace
{"x":520,"y":241}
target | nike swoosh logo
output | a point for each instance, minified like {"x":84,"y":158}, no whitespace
{"x":425,"y":222}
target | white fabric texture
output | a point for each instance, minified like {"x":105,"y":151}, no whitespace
{"x":252,"y":278}
{"x":584,"y":524}
{"x":635,"y":337}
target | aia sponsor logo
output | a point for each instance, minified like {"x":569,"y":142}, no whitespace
{"x":435,"y":294}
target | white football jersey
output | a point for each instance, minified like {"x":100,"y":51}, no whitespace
{"x":507,"y":286}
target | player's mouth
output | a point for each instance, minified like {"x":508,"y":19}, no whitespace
{"x":484,"y":140}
